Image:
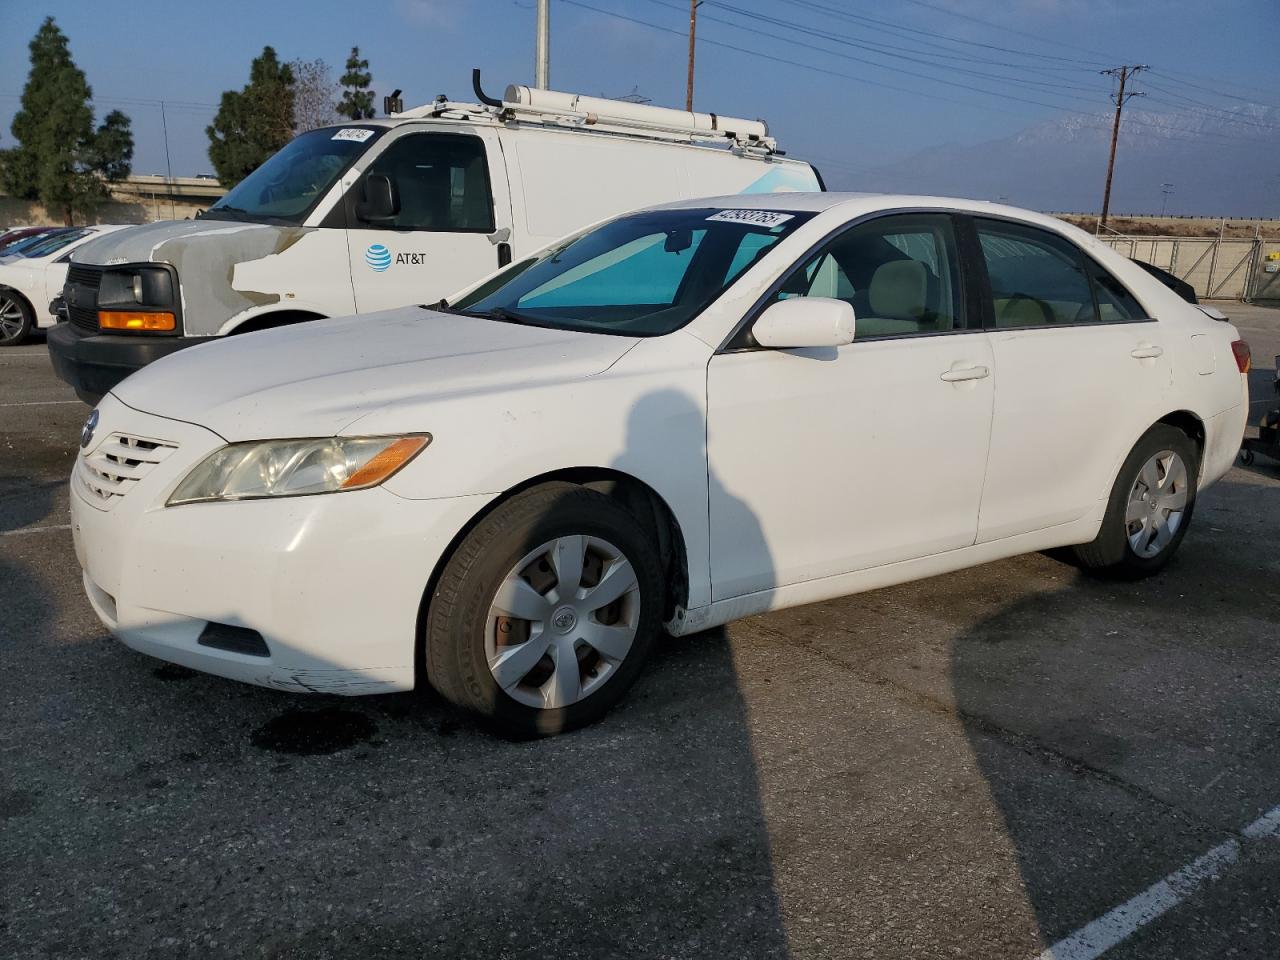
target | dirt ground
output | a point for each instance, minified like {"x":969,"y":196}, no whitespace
{"x":1179,"y":226}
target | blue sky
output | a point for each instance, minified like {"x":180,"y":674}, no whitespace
{"x":1206,"y":58}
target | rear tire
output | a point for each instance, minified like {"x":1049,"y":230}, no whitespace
{"x":17,"y":319}
{"x":514,"y":633}
{"x":1149,"y":510}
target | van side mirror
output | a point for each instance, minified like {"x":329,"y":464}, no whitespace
{"x":381,"y":199}
{"x":805,"y":322}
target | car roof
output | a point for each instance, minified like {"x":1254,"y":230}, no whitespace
{"x":857,"y":204}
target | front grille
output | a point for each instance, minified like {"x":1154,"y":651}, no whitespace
{"x":118,"y":463}
{"x":81,"y":295}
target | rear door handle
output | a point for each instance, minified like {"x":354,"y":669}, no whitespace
{"x":957,"y":374}
{"x":1147,"y":352}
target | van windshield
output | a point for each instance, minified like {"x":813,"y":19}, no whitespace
{"x":642,"y":275}
{"x":292,"y":180}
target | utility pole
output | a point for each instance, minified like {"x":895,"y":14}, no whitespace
{"x":693,"y":32}
{"x":1166,"y":189}
{"x":168,"y":167}
{"x":1120,"y":97}
{"x":542,"y":56}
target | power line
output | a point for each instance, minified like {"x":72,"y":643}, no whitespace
{"x":845,"y":40}
{"x":899,"y":29}
{"x":760,"y":55}
{"x":846,"y":56}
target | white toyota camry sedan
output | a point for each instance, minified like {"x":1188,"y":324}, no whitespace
{"x":677,"y":418}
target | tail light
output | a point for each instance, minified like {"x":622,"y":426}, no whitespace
{"x":1244,"y":357}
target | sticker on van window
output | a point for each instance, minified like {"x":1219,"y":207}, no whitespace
{"x":757,"y":218}
{"x":352,"y":133}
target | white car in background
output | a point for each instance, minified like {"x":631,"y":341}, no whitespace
{"x":32,"y":277}
{"x":678,"y":418}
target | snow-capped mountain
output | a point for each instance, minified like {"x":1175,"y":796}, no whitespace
{"x":1221,"y":163}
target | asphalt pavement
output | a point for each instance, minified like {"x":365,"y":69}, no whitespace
{"x":980,"y":765}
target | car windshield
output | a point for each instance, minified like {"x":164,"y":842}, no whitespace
{"x":288,"y":185}
{"x":45,"y":244}
{"x":641,"y":275}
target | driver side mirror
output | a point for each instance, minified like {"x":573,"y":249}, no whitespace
{"x":381,"y":199}
{"x":805,"y":322}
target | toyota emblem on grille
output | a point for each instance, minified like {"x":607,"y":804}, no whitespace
{"x":86,"y":432}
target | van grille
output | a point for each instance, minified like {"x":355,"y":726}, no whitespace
{"x":81,"y":295}
{"x":118,"y":463}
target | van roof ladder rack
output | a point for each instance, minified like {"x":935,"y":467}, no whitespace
{"x":552,"y":107}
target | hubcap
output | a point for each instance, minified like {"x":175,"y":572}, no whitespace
{"x":562,"y":620}
{"x":1157,"y":504}
{"x":10,"y":317}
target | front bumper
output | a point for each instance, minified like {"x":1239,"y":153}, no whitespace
{"x":94,"y":363}
{"x":333,"y":583}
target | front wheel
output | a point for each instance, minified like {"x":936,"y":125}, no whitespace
{"x":545,"y":613}
{"x":1150,"y":507}
{"x":16,"y":319}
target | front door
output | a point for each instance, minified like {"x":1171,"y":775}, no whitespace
{"x":452,"y":223}
{"x":822,"y":462}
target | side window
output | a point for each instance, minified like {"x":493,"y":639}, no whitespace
{"x":1037,"y":278}
{"x":1115,"y":303}
{"x":900,"y":273}
{"x":442,"y":181}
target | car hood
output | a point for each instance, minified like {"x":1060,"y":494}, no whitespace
{"x":316,"y":378}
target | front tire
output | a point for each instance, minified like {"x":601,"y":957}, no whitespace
{"x":16,"y":318}
{"x":545,"y":613}
{"x":1150,"y":507}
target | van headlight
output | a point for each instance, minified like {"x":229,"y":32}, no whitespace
{"x":292,"y":468}
{"x":138,"y":298}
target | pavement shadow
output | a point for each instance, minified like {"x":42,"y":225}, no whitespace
{"x":210,"y":818}
{"x":1122,"y":733}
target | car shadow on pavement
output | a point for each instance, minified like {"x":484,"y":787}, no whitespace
{"x":1123,"y":731}
{"x":171,"y":811}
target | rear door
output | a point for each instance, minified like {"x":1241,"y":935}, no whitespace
{"x":449,"y":229}
{"x":1080,"y":373}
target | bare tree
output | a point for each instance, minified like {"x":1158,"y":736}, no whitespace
{"x":314,"y":96}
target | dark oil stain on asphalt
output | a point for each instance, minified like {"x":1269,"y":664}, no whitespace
{"x":311,"y":732}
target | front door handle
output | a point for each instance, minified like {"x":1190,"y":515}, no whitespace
{"x":1147,"y":352}
{"x":958,"y":374}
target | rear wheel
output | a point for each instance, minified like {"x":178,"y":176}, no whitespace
{"x":546,"y":611}
{"x":16,"y":318}
{"x":1150,"y":507}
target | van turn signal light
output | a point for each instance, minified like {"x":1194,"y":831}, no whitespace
{"x":143,"y":322}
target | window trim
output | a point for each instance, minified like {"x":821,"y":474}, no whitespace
{"x":351,"y":199}
{"x":1088,"y":263}
{"x":968,"y":280}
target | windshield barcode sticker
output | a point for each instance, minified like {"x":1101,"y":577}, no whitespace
{"x":353,"y":133}
{"x":756,"y":218}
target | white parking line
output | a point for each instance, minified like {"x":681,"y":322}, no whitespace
{"x":38,"y":403}
{"x":26,"y":530}
{"x":1096,"y":938}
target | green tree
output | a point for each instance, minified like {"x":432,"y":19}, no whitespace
{"x":253,"y":123}
{"x":357,"y":98}
{"x":60,"y":159}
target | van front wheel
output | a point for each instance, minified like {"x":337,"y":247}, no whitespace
{"x":545,"y":613}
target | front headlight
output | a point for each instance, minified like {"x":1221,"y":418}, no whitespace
{"x":291,"y":468}
{"x":140,"y":298}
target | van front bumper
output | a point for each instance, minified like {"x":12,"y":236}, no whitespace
{"x":93,"y":363}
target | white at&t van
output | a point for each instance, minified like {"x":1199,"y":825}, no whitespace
{"x":383,"y":213}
